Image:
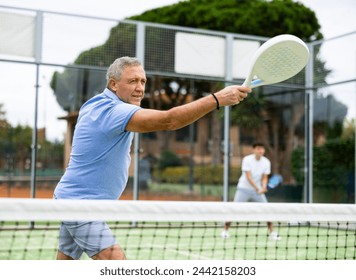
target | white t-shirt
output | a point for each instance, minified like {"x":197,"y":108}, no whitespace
{"x":257,"y":168}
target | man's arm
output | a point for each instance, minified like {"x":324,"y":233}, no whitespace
{"x":252,"y":183}
{"x":148,"y":120}
{"x":264,"y":182}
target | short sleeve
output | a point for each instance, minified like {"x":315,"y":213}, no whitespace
{"x":268,"y":167}
{"x":118,"y":117}
{"x":246,"y":164}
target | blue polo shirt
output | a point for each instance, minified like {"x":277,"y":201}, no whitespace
{"x":100,"y":156}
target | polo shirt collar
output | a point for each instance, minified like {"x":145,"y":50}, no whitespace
{"x":110,"y":94}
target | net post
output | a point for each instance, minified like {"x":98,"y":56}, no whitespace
{"x":228,"y":77}
{"x":308,"y":168}
{"x":140,"y":54}
{"x":38,"y":58}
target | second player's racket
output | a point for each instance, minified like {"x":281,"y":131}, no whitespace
{"x":278,"y":59}
{"x":274,"y":181}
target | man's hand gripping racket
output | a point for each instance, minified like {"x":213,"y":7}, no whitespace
{"x":277,"y":60}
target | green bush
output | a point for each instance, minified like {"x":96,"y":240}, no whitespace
{"x":202,"y":174}
{"x":168,"y":159}
{"x":331,"y":166}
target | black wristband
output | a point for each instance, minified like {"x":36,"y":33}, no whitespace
{"x":217,"y":101}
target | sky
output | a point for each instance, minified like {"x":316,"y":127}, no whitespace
{"x":335,"y":17}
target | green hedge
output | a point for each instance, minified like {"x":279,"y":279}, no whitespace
{"x":333,"y":163}
{"x":202,"y":174}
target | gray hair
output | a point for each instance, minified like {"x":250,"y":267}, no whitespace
{"x":116,"y":68}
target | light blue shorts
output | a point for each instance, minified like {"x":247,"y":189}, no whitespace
{"x":83,"y":236}
{"x":245,"y":195}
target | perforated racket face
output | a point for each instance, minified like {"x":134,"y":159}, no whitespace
{"x":279,"y":59}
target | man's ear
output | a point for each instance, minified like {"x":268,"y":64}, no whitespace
{"x":112,"y":85}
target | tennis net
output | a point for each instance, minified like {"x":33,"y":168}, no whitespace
{"x":29,"y":229}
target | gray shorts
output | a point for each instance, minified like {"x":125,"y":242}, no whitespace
{"x":245,"y":195}
{"x":83,"y":236}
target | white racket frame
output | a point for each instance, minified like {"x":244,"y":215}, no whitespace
{"x":277,"y":60}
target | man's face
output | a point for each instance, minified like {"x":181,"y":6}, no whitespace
{"x":259,"y":151}
{"x":131,"y":87}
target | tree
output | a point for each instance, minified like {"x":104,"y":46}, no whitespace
{"x":264,"y":116}
{"x":334,"y":165}
{"x":15,"y":143}
{"x":256,"y":17}
{"x":15,"y":148}
{"x":262,"y":113}
{"x":4,"y":142}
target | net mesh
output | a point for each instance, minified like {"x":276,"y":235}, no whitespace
{"x":29,"y":229}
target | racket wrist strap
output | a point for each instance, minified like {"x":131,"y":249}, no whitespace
{"x":217,"y":101}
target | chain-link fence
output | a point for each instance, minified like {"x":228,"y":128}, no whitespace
{"x":306,"y":123}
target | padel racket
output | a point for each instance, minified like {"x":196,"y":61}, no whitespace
{"x":274,"y":181}
{"x":277,"y":60}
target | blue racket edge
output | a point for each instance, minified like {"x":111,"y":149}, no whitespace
{"x":256,"y":83}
